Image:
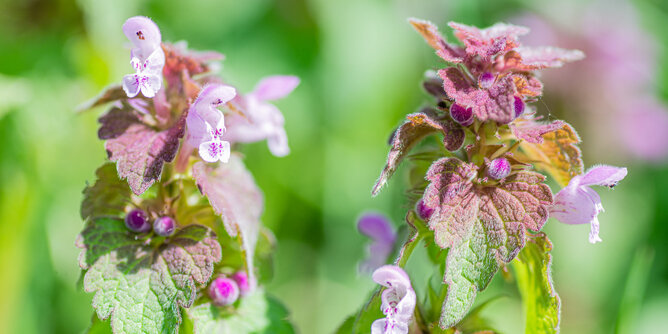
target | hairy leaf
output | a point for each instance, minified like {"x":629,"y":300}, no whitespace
{"x":558,"y":155}
{"x":535,"y":58}
{"x":418,"y":126}
{"x":533,"y":131}
{"x":107,"y":197}
{"x":429,"y":32}
{"x":257,"y":313}
{"x":233,"y":194}
{"x":483,"y":226}
{"x":139,"y":150}
{"x":527,"y":86}
{"x":111,"y":93}
{"x":140,"y":285}
{"x":541,"y":303}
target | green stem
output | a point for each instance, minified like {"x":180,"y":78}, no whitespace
{"x":407,"y":248}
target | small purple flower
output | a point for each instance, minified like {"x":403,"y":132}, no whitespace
{"x":262,"y":120}
{"x":206,"y":124}
{"x":242,"y":282}
{"x":379,"y":229}
{"x":147,"y":57}
{"x":223,"y":291}
{"x":423,"y":211}
{"x":137,"y":221}
{"x":518,"y":105}
{"x":577,"y":203}
{"x":164,"y":226}
{"x":398,"y":300}
{"x":498,"y":168}
{"x":461,"y":114}
{"x":486,"y":80}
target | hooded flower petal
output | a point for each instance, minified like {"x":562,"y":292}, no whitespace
{"x":577,"y":203}
{"x":147,"y":57}
{"x":275,"y":87}
{"x":144,"y":35}
{"x":398,"y":300}
{"x":206,"y":124}
{"x":379,"y":229}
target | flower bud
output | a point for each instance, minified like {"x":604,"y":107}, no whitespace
{"x":242,"y":281}
{"x":519,"y":106}
{"x":423,"y":211}
{"x":137,"y":221}
{"x":223,"y":291}
{"x":164,"y":226}
{"x":461,"y":115}
{"x":498,"y":168}
{"x":485,"y":80}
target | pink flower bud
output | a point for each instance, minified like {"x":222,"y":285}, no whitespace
{"x":164,"y":226}
{"x":242,"y":281}
{"x":461,"y":115}
{"x":223,"y":291}
{"x":519,"y":106}
{"x":423,"y":211}
{"x":485,"y":80}
{"x":498,"y":168}
{"x":137,"y":221}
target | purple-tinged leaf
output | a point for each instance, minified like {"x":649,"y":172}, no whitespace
{"x":110,"y":93}
{"x":429,"y":32}
{"x":139,"y":150}
{"x":417,"y":126}
{"x":484,"y":226}
{"x":533,"y":131}
{"x":536,"y":58}
{"x":527,"y":85}
{"x":496,"y":103}
{"x":233,"y":194}
{"x":107,"y":197}
{"x":143,"y":286}
{"x":489,"y":41}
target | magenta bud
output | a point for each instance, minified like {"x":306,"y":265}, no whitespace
{"x":137,"y":221}
{"x":242,"y":281}
{"x":498,"y":168}
{"x":223,"y":291}
{"x":519,"y":106}
{"x":423,"y":211}
{"x":164,"y":226}
{"x":461,"y":115}
{"x":486,"y":80}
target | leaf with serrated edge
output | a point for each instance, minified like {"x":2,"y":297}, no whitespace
{"x":233,"y":194}
{"x":532,"y":131}
{"x":484,"y":226}
{"x":139,"y":150}
{"x":141,"y":286}
{"x":532,"y":268}
{"x":256,"y":313}
{"x":107,"y":197}
{"x":418,"y":126}
{"x":558,"y":155}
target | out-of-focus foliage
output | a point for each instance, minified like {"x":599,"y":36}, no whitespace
{"x":361,"y":64}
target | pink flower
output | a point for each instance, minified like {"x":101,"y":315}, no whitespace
{"x":147,"y":57}
{"x":379,"y":229}
{"x":206,"y":124}
{"x":261,"y":119}
{"x":398,"y":300}
{"x":577,"y":203}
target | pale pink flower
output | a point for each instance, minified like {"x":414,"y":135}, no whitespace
{"x":577,"y":203}
{"x":146,"y":57}
{"x":398,"y":301}
{"x":379,"y":229}
{"x":206,"y":124}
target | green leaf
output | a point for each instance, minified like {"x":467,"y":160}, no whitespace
{"x":107,"y":197}
{"x":256,"y":313}
{"x":140,"y":283}
{"x":347,"y":326}
{"x":534,"y":280}
{"x":368,"y":314}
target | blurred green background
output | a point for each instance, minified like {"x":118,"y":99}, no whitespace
{"x":360,"y":65}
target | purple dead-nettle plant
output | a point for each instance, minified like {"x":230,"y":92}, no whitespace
{"x":175,"y":206}
{"x":484,"y":199}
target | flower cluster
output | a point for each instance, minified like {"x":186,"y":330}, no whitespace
{"x":162,"y":249}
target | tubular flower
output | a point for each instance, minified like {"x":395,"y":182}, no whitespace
{"x":262,"y":120}
{"x":577,"y":203}
{"x":398,"y":300}
{"x":146,"y":57}
{"x":206,"y":124}
{"x":379,"y":229}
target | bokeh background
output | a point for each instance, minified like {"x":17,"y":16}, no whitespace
{"x":360,"y":64}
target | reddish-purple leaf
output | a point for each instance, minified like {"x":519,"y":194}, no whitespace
{"x":489,"y":41}
{"x":536,"y":58}
{"x":484,"y":226}
{"x":429,"y":32}
{"x":417,"y":126}
{"x":109,"y":94}
{"x":533,"y":131}
{"x":233,"y":194}
{"x":139,"y":150}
